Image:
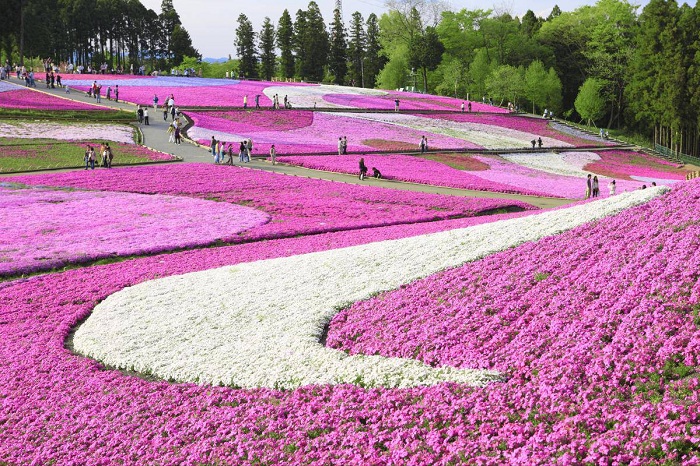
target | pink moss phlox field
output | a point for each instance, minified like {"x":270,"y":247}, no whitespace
{"x":415,"y":170}
{"x":42,"y":229}
{"x":408,"y":101}
{"x":36,"y":100}
{"x":319,"y":136}
{"x":296,"y":205}
{"x":597,"y":329}
{"x":188,"y":92}
{"x":626,"y":164}
{"x":526,"y":124}
{"x":62,"y":408}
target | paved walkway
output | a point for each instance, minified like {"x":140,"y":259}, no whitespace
{"x":156,"y":136}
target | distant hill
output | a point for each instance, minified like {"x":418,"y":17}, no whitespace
{"x":215,"y":60}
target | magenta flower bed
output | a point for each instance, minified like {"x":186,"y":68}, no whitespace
{"x":572,"y":405}
{"x":596,"y":328}
{"x":42,"y":229}
{"x":188,"y":92}
{"x":408,"y":101}
{"x":628,"y":165}
{"x":296,"y":205}
{"x":36,"y":100}
{"x":300,"y":135}
{"x":417,"y":170}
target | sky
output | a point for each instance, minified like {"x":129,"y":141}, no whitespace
{"x":212,"y":23}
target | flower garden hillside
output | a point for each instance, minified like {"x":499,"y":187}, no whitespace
{"x":595,"y":330}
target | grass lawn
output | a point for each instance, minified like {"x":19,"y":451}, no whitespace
{"x":38,"y":154}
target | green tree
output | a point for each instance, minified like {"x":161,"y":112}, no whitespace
{"x":181,"y":45}
{"x":356,"y":49}
{"x":300,"y":41}
{"x":268,"y":59}
{"x":530,"y":24}
{"x":374,"y":58}
{"x":506,"y":83}
{"x":338,"y":54}
{"x":245,"y":48}
{"x":479,"y":71}
{"x":589,"y":103}
{"x":285,"y":43}
{"x":542,"y":87}
{"x":425,"y":53}
{"x":312,"y":43}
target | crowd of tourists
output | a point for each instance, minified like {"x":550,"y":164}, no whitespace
{"x":105,"y":154}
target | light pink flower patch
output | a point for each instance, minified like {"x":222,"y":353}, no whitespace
{"x":296,"y":205}
{"x":36,"y":100}
{"x":42,"y":229}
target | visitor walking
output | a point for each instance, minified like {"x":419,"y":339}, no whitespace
{"x":155,"y":102}
{"x":595,"y":187}
{"x":212,"y":146}
{"x":145,"y":116}
{"x":241,"y":152}
{"x":611,"y":187}
{"x":273,"y":154}
{"x":589,"y":181}
{"x":178,"y":135}
{"x":245,"y":101}
{"x":139,"y":114}
{"x":257,"y":101}
{"x":340,"y":145}
{"x":345,"y":145}
{"x":116,"y":93}
{"x":363,"y":169}
{"x":396,"y":105}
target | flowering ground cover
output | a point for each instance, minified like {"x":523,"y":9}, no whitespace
{"x":538,"y":127}
{"x":312,"y":132}
{"x":628,"y":165}
{"x":24,"y":155}
{"x":417,"y":170}
{"x":43,"y":229}
{"x":58,"y":407}
{"x":597,"y":329}
{"x":296,"y":205}
{"x":16,"y":97}
{"x":550,"y":174}
{"x":276,"y":326}
{"x":206,"y":92}
{"x":66,"y":131}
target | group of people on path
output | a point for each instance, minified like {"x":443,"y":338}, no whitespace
{"x":423,"y":145}
{"x":219,"y":150}
{"x":593,"y":187}
{"x":95,"y":91}
{"x":105,"y":152}
{"x":363,"y":171}
{"x":175,"y":131}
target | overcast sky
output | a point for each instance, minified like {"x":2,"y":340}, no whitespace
{"x":212,"y":23}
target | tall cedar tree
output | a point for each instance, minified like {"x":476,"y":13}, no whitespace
{"x":356,"y":49}
{"x":268,"y":58}
{"x":300,"y":42}
{"x":285,"y":43}
{"x":374,"y":60}
{"x":245,"y":48}
{"x":338,"y":56}
{"x":314,"y":41}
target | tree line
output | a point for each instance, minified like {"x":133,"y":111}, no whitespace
{"x":304,"y":48}
{"x":606,"y":64}
{"x":116,"y":32}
